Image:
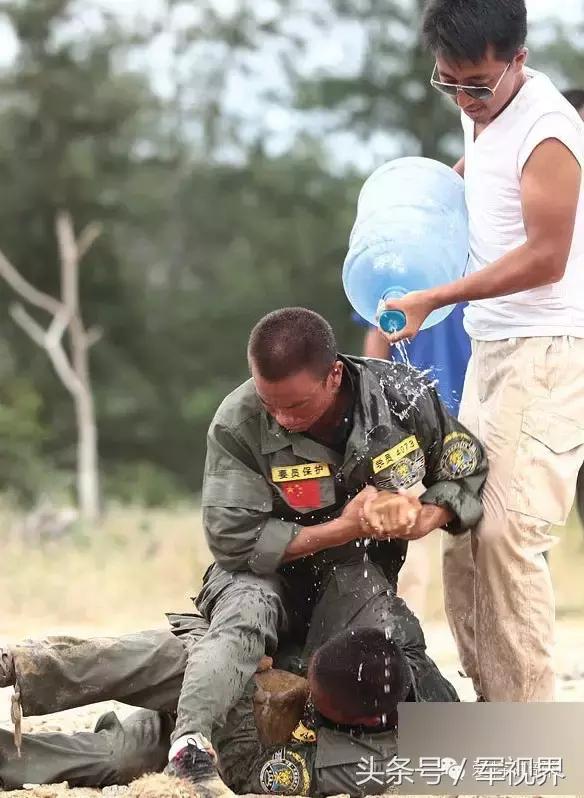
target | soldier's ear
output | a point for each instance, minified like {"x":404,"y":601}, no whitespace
{"x":337,"y":374}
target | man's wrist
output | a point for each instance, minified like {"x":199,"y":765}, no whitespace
{"x":440,"y":297}
{"x":346,"y":528}
{"x":433,"y":516}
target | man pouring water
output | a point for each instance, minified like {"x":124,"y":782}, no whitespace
{"x":524,"y":388}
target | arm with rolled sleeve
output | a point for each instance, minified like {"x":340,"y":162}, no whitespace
{"x":237,"y":504}
{"x":443,"y":439}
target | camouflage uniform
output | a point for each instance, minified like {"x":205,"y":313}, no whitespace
{"x":262,"y":485}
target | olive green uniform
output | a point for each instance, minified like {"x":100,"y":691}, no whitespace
{"x":262,"y":485}
{"x":147,"y":669}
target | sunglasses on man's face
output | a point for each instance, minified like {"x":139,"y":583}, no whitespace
{"x":475,"y":92}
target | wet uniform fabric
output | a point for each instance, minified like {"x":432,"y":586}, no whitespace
{"x":262,"y":485}
{"x":146,"y":669}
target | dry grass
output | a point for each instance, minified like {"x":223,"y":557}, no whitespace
{"x":139,"y":564}
{"x":122,"y":576}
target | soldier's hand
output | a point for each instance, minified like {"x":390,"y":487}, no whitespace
{"x":353,"y":510}
{"x":391,"y":515}
{"x":264,"y":664}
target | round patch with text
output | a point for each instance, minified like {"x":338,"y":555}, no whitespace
{"x":285,"y":773}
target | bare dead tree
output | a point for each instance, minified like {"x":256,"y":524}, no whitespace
{"x":72,"y":367}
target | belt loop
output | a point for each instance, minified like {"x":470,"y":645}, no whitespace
{"x":542,"y":346}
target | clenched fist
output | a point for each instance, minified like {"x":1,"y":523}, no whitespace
{"x":391,"y":515}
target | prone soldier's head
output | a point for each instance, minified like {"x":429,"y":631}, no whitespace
{"x":359,"y":677}
{"x":292,"y":355}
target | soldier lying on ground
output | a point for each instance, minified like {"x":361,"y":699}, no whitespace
{"x":293,"y":454}
{"x":275,"y":740}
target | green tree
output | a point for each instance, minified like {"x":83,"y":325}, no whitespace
{"x":389,"y":92}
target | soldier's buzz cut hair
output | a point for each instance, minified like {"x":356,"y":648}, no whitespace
{"x":291,"y":340}
{"x":363,"y":672}
{"x":464,"y":30}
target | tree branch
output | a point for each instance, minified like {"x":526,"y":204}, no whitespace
{"x":28,"y":324}
{"x":93,"y":336}
{"x":51,"y":342}
{"x":88,"y":237}
{"x":69,"y":259}
{"x":24,"y":289}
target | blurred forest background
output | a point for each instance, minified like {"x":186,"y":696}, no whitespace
{"x":210,"y":194}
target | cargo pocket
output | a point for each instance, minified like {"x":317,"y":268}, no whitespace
{"x":549,"y":455}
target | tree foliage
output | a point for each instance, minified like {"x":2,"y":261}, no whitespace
{"x":209,"y":219}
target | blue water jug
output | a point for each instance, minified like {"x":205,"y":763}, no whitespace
{"x":411,"y":233}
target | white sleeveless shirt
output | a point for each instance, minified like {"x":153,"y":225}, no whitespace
{"x":493,"y":165}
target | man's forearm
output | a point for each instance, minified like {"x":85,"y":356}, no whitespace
{"x":312,"y":539}
{"x":520,"y":270}
{"x":433,"y":517}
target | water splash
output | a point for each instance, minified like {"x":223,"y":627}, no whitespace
{"x":409,"y":383}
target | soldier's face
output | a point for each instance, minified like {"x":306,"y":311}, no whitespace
{"x":299,"y":401}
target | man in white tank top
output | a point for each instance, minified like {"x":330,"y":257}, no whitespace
{"x":524,"y":389}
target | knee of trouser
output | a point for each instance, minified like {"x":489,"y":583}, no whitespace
{"x":139,"y":744}
{"x":257,"y":606}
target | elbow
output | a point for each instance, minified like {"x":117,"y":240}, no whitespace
{"x":557,"y":271}
{"x":550,"y":265}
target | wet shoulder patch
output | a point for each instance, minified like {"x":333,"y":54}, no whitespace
{"x":285,"y":773}
{"x":395,"y":454}
{"x":399,"y":467}
{"x":460,"y":456}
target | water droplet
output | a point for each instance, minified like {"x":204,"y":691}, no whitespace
{"x":359,"y":674}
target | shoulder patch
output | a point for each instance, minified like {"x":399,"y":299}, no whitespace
{"x":285,"y":773}
{"x":460,"y":456}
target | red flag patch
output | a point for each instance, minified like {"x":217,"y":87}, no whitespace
{"x":303,"y":494}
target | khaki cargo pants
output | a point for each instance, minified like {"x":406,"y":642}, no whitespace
{"x":524,"y":399}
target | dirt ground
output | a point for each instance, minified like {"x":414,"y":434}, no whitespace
{"x":570,"y":669}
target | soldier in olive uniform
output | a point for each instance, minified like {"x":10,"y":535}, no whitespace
{"x":294,"y":455}
{"x":313,"y":746}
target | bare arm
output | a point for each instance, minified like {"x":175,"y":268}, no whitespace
{"x":375,"y":344}
{"x":459,"y":167}
{"x":322,"y":536}
{"x":550,"y":189}
{"x":344,"y":529}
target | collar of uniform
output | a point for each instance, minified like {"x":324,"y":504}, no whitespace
{"x":274,"y":438}
{"x":372,"y":404}
{"x":370,"y":408}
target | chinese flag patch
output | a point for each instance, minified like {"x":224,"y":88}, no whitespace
{"x":303,"y":494}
